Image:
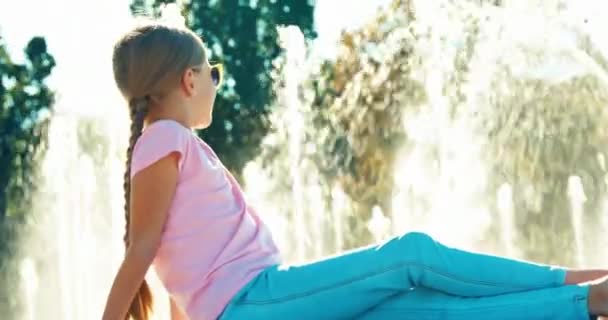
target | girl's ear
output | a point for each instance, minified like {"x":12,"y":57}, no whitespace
{"x":187,"y":82}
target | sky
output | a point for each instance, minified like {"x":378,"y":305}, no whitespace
{"x":81,"y":43}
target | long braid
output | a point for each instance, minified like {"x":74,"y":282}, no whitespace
{"x":142,"y":302}
{"x":138,"y":108}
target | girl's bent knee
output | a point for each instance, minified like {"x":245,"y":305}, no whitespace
{"x":416,"y":238}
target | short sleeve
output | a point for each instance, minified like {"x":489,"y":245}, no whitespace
{"x":157,"y":141}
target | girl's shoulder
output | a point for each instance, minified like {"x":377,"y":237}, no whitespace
{"x":158,"y":140}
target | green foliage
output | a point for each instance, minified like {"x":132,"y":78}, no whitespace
{"x":24,"y":109}
{"x":243,"y":36}
{"x":25,"y":103}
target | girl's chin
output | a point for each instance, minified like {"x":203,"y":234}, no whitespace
{"x":203,"y":124}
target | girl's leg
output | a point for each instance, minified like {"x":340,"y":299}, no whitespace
{"x":586,"y":275}
{"x":566,"y":302}
{"x":344,"y":286}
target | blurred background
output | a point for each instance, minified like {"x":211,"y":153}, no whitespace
{"x":483,"y":123}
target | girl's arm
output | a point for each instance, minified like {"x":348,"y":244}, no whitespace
{"x":152,"y":191}
{"x":176,"y":312}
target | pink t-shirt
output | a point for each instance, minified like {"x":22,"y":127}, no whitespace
{"x":213,"y":242}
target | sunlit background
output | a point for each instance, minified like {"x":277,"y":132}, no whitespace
{"x":483,"y":123}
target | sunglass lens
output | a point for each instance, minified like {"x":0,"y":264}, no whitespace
{"x":215,"y":76}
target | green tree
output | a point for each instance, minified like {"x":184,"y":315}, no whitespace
{"x":24,"y":108}
{"x":25,"y":103}
{"x":242,"y":35}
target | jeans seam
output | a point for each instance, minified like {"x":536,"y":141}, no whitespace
{"x":373,"y":274}
{"x":446,"y":310}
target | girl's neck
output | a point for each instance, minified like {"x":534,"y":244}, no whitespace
{"x":178,"y":115}
{"x":169,"y":109}
{"x":150,"y":121}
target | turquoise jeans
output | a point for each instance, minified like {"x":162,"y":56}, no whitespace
{"x":410,"y":277}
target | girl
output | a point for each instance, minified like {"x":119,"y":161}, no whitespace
{"x":186,"y":214}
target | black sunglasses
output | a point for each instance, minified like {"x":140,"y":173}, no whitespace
{"x":217,"y":74}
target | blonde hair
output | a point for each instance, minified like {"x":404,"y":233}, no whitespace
{"x":148,"y":63}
